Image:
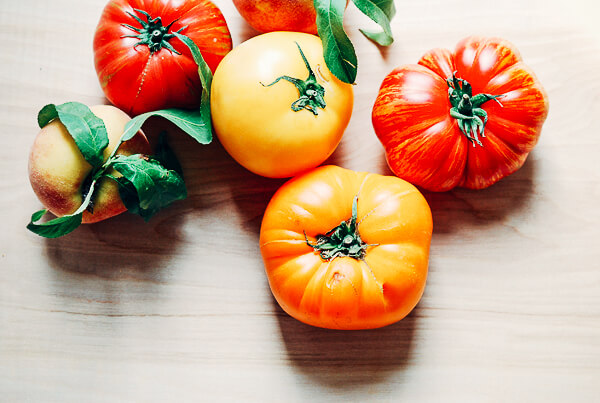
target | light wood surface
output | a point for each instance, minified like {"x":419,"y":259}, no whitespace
{"x":179,"y":309}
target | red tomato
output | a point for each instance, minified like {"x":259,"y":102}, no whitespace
{"x":279,"y":15}
{"x":142,"y":66}
{"x":345,"y":249}
{"x":464,"y":118}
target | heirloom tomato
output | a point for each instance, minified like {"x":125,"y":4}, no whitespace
{"x":345,"y":249}
{"x":279,"y":15}
{"x":276,"y":108}
{"x":464,"y":118}
{"x":142,"y":66}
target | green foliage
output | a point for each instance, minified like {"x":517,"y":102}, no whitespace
{"x":156,"y":187}
{"x":338,"y":50}
{"x":88,"y":130}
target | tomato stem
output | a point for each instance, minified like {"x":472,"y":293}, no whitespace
{"x":152,"y":32}
{"x":466,"y":108}
{"x":311,"y":92}
{"x":343,"y":240}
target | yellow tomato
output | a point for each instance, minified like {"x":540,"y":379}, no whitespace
{"x":268,"y":115}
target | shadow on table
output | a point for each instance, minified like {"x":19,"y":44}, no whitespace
{"x":511,"y":196}
{"x":348,"y":360}
{"x":127,"y":246}
{"x":123,"y":246}
{"x":249,"y":192}
{"x":358,"y":359}
{"x":460,"y":207}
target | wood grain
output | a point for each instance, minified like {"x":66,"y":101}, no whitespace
{"x":179,"y":309}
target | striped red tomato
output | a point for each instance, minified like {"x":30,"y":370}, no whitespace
{"x":465,"y":118}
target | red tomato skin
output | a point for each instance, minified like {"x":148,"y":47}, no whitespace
{"x":424,"y":144}
{"x":137,"y":80}
{"x":279,"y":15}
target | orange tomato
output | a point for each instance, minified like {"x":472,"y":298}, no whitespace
{"x":345,"y":249}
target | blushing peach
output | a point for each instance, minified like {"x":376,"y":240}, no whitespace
{"x":57,"y":169}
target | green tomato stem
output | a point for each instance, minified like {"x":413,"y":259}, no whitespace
{"x":311,"y":92}
{"x":152,"y":32}
{"x":343,"y":240}
{"x":467,"y":110}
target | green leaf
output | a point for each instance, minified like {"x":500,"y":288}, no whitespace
{"x":54,"y":228}
{"x":156,"y":186}
{"x":165,"y":155}
{"x":205,"y":78}
{"x":381,"y":38}
{"x":338,"y":51}
{"x":196,"y":123}
{"x":191,"y":122}
{"x":128,"y":194}
{"x":387,"y":6}
{"x":88,"y":130}
{"x":62,"y":225}
{"x":380,"y":11}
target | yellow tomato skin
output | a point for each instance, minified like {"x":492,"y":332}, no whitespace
{"x":255,"y":122}
{"x":393,"y":218}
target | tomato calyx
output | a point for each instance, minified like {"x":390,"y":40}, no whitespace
{"x":311,"y":92}
{"x":343,"y":240}
{"x":152,"y":32}
{"x":466,"y":108}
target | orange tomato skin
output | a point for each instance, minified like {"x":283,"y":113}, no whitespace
{"x":393,"y":218}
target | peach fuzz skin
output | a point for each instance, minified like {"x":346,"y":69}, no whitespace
{"x":57,"y":168}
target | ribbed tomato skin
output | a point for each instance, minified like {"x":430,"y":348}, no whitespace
{"x":137,"y":80}
{"x":393,"y":218}
{"x":424,"y":144}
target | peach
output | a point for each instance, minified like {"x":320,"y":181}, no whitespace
{"x":57,"y":169}
{"x":279,"y":15}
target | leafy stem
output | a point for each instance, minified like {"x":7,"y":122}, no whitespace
{"x":467,"y":110}
{"x":343,"y":240}
{"x":311,"y":92}
{"x":152,"y":33}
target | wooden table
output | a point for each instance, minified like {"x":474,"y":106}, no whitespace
{"x":179,"y":309}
